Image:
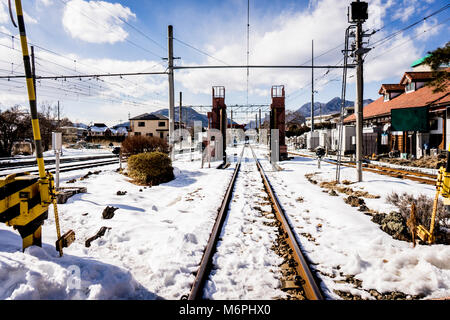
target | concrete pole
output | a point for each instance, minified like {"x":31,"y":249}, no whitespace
{"x":312,"y":85}
{"x":171,"y":89}
{"x":259,"y":118}
{"x":359,"y":102}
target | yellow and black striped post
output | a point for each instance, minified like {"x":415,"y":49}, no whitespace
{"x":46,"y":188}
{"x":31,"y":91}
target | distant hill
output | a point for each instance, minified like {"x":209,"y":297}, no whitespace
{"x":123,"y":124}
{"x":80,"y":125}
{"x":189,"y":113}
{"x":332,"y":106}
{"x":186,"y":112}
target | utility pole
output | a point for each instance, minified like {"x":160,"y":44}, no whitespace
{"x":171,"y":88}
{"x":358,"y":16}
{"x":359,"y":101}
{"x":231,"y":118}
{"x":58,"y":117}
{"x":312,"y":85}
{"x":180,"y":117}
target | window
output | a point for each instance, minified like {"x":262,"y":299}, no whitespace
{"x":137,"y":133}
{"x":149,"y":134}
{"x":161,"y":135}
{"x":434,"y":124}
{"x":386,"y":97}
{"x":410,"y":87}
{"x":141,"y":124}
{"x":161,"y":124}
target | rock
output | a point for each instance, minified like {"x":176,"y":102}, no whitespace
{"x":108,"y":212}
{"x":99,"y":234}
{"x":363,"y":208}
{"x":354,"y":201}
{"x":333,"y":193}
{"x":121,"y":193}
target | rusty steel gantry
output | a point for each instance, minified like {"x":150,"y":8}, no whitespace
{"x":217,"y":118}
{"x":277,"y":118}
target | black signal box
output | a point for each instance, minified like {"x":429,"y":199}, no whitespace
{"x":359,"y":11}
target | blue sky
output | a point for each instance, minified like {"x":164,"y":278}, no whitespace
{"x":90,"y":37}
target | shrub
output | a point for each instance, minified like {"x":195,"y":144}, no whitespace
{"x":424,"y":208}
{"x":150,"y":168}
{"x":139,"y":144}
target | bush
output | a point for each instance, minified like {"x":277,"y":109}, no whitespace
{"x":150,"y":168}
{"x":424,"y":209}
{"x":139,"y":144}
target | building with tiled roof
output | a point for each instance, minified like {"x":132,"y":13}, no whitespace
{"x":151,"y":125}
{"x":409,"y":117}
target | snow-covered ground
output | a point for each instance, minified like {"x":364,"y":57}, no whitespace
{"x":342,"y":241}
{"x":158,"y":234}
{"x":155,"y":243}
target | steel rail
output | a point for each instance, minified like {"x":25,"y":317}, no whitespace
{"x":76,"y":167}
{"x":206,"y":262}
{"x":396,"y":173}
{"x":312,"y":290}
{"x":30,"y":163}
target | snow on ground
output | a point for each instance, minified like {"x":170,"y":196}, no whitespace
{"x":245,"y":266}
{"x":158,"y":234}
{"x":341,"y":241}
{"x":155,"y":243}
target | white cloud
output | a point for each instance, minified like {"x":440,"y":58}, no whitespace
{"x":45,"y":2}
{"x":285,"y":41}
{"x":96,"y":21}
{"x":4,"y":16}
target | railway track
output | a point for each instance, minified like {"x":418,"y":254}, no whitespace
{"x":397,"y":173}
{"x":245,"y":221}
{"x":69,"y":167}
{"x":15,"y":163}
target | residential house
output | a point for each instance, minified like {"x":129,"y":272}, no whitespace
{"x":152,"y":125}
{"x":408,"y":118}
{"x":99,"y":130}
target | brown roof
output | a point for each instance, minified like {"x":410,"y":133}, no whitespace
{"x":416,"y":76}
{"x":419,"y":98}
{"x":391,"y":87}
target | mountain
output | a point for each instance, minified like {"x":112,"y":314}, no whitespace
{"x":80,"y":125}
{"x":190,"y":113}
{"x":332,"y":106}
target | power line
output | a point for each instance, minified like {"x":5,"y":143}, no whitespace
{"x":109,"y":29}
{"x":136,"y":29}
{"x":201,"y":51}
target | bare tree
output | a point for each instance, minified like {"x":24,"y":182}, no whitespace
{"x":14,"y":126}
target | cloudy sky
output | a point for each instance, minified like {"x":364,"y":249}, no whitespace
{"x":77,"y":37}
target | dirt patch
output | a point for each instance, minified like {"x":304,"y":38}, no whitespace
{"x":333,"y":185}
{"x":431,"y":162}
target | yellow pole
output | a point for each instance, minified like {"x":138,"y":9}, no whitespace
{"x":31,"y":91}
{"x":45,"y":186}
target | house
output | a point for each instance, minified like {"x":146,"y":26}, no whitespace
{"x":152,"y":125}
{"x":408,"y":118}
{"x":99,"y":130}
